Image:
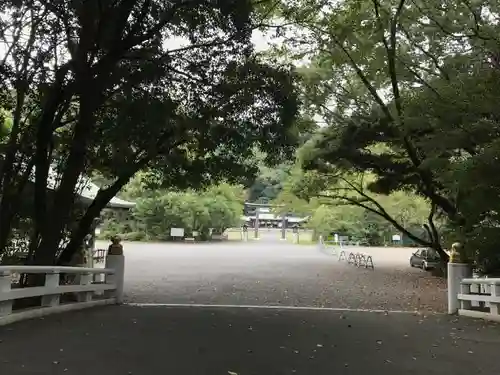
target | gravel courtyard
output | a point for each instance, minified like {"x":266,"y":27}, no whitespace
{"x":273,"y":272}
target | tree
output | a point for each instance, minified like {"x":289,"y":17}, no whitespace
{"x":217,"y":208}
{"x":268,"y":184}
{"x":370,"y":63}
{"x":98,"y":86}
{"x":341,"y":202}
{"x":270,"y":180}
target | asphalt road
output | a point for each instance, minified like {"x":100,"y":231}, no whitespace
{"x":273,"y":272}
{"x":125,"y":340}
{"x":219,"y":340}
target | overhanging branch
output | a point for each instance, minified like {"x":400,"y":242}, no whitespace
{"x":378,"y":210}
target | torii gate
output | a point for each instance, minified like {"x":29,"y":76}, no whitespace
{"x":256,"y":225}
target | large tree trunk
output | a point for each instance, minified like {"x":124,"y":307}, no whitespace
{"x":10,"y":204}
{"x":65,"y":195}
{"x":93,"y":211}
{"x":44,"y":135}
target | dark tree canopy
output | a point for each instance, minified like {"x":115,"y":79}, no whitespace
{"x":118,"y":87}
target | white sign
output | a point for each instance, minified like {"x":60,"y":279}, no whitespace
{"x":343,"y":238}
{"x":336,"y":237}
{"x":396,"y":237}
{"x":195,"y":233}
{"x":176,"y":232}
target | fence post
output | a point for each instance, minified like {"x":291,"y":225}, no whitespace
{"x":85,"y":279}
{"x":456,"y":273}
{"x":51,"y":281}
{"x":117,"y":263}
{"x":495,"y":292}
{"x":5,"y":287}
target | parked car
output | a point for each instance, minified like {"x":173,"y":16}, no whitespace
{"x":426,"y":259}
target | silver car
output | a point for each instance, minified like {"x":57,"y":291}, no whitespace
{"x":426,"y":259}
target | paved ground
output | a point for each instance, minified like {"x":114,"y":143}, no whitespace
{"x":273,"y":272}
{"x":216,"y":341}
{"x":194,"y":340}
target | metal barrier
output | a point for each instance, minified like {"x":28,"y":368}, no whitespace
{"x":351,"y":259}
{"x":354,"y":258}
{"x":357,"y":259}
{"x":99,"y":255}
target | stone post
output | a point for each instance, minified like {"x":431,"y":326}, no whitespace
{"x":457,"y":271}
{"x":283,"y":227}
{"x":256,"y":224}
{"x":117,"y":263}
{"x":5,"y":288}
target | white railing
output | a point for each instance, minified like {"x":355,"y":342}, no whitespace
{"x":87,"y":293}
{"x":480,"y":298}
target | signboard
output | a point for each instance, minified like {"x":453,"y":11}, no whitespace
{"x":176,"y":232}
{"x":396,"y":237}
{"x":195,"y":233}
{"x":343,"y":238}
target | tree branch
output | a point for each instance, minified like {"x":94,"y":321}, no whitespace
{"x":380,"y":211}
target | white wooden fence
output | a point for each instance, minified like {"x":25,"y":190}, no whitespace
{"x":480,"y":298}
{"x":87,"y":293}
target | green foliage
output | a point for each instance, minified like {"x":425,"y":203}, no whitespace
{"x":409,"y":93}
{"x":216,"y":208}
{"x":5,"y":125}
{"x":341,"y":204}
{"x":113,"y":88}
{"x":268,"y":183}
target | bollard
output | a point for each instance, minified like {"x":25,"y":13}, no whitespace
{"x":456,"y":273}
{"x":320,"y":242}
{"x":117,"y":263}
